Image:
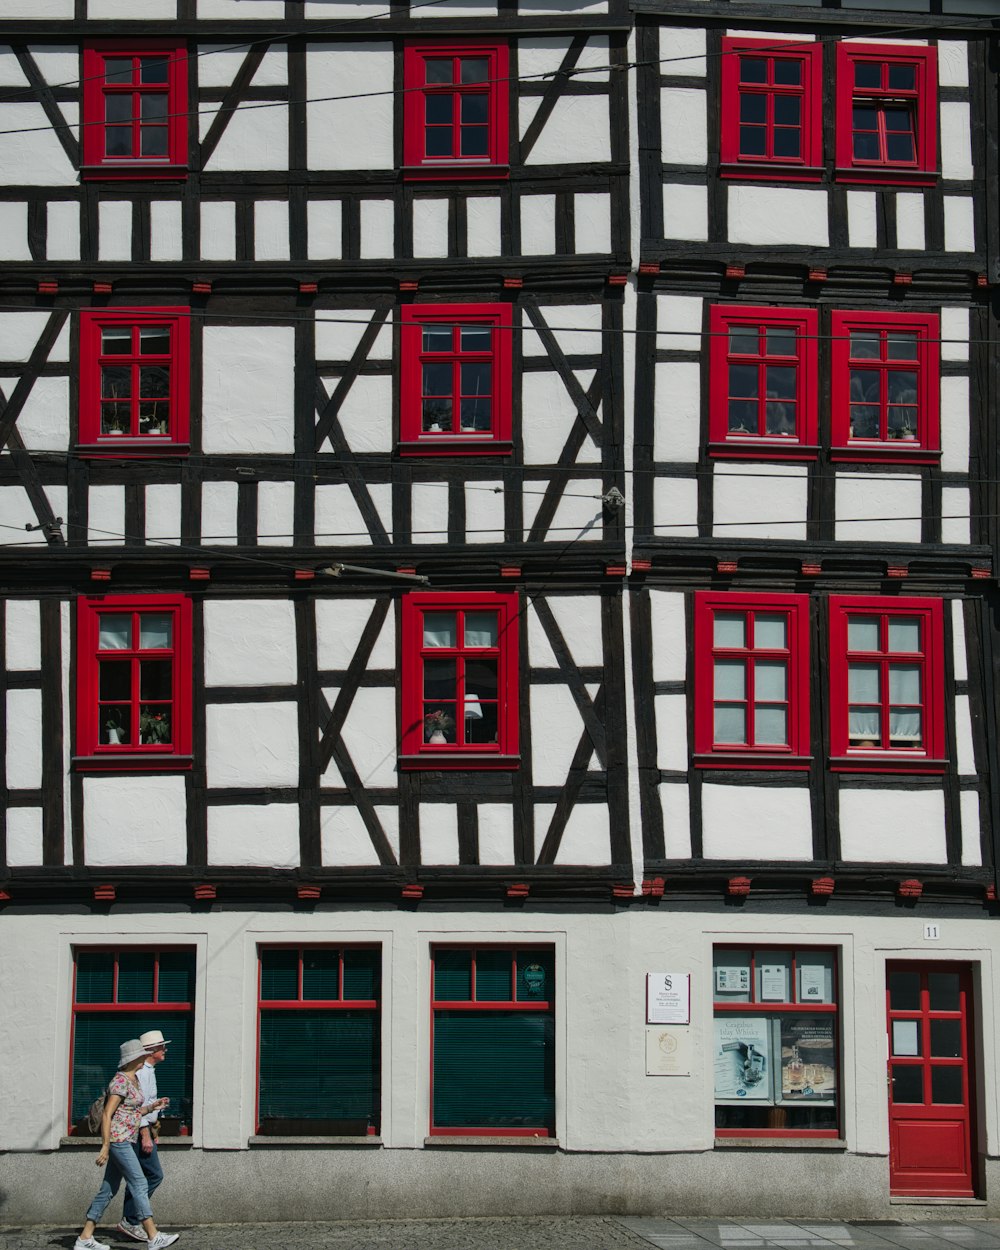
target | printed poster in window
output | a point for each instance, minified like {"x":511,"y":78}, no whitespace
{"x":742,"y":1059}
{"x":808,"y":1059}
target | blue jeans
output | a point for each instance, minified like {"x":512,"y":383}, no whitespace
{"x":122,"y":1164}
{"x":153,"y":1172}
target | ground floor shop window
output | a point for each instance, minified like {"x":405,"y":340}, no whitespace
{"x":319,"y":1058}
{"x":493,"y":1067}
{"x":119,"y":994}
{"x":776,"y":1044}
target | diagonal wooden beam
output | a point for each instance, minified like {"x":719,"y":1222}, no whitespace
{"x":354,"y":477}
{"x":567,"y":457}
{"x":355,"y":671}
{"x":553,"y":93}
{"x":585,"y":409}
{"x":29,"y":374}
{"x":569,"y":794}
{"x":571,"y":675}
{"x":53,"y":113}
{"x":327,"y":418}
{"x":232,"y":97}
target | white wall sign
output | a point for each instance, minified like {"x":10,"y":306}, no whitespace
{"x":668,"y":1052}
{"x":668,"y":998}
{"x":932,"y":932}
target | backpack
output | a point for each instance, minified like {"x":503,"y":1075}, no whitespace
{"x":95,"y":1113}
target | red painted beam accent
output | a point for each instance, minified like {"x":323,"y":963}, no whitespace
{"x":652,"y":887}
{"x":811,"y":568}
{"x":406,"y":568}
{"x":617,"y":279}
{"x":649,"y":267}
{"x":822,"y":885}
{"x":408,"y":285}
{"x":736,"y":271}
{"x":902,"y":278}
{"x":897,"y":570}
{"x":641,"y":566}
{"x":412,"y":891}
{"x":818,"y":274}
{"x":104,"y":893}
{"x":309,"y":891}
{"x":308,"y":288}
{"x":100,"y":575}
{"x":738,"y":887}
{"x":48,"y":286}
{"x":305,"y":575}
{"x":980,"y":572}
{"x":615,"y":570}
{"x":726,"y":566}
{"x":201,"y":288}
{"x":102,"y":288}
{"x":205,"y":891}
{"x":518,"y":889}
{"x":982,"y":281}
{"x":911,"y":888}
{"x":510,"y":570}
{"x":4,"y":896}
{"x":512,"y":283}
{"x":622,"y":889}
{"x":990,"y":892}
{"x":200,"y":574}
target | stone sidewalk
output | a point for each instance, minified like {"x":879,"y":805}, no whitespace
{"x":552,"y":1233}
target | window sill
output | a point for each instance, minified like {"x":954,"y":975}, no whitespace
{"x":768,"y":171}
{"x":455,"y":760}
{"x":455,"y":447}
{"x":886,"y":763}
{"x":904,"y":452}
{"x":362,"y":1141}
{"x":780,"y":1143}
{"x":132,"y":763}
{"x":887,"y":176}
{"x":763,"y":449}
{"x":452,"y":171}
{"x":500,"y":1143}
{"x":135,"y":172}
{"x":131,"y":448}
{"x":94,"y":1143}
{"x":737,"y":759}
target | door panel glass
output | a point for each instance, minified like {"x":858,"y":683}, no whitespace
{"x":906,"y":1038}
{"x":946,"y":1085}
{"x":904,"y":991}
{"x":907,"y":1083}
{"x":946,"y":1039}
{"x":943,"y":989}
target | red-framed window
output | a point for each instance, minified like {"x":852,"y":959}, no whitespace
{"x":762,"y":387}
{"x":135,"y":380}
{"x":135,"y":106}
{"x":133,"y":672}
{"x":455,"y":379}
{"x":777,"y":1042}
{"x":460,"y":680}
{"x":455,"y":109}
{"x":771,"y":115}
{"x":886,"y":684}
{"x":886,"y":113}
{"x":319,"y":1040}
{"x":751,"y":680}
{"x":885,"y":386}
{"x":123,"y":992}
{"x":493,"y":1041}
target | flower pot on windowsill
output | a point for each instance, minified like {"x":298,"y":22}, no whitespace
{"x":437,"y":738}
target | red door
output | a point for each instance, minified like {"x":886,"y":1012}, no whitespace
{"x":930,"y":1080}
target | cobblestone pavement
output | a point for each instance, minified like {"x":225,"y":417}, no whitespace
{"x":552,"y":1233}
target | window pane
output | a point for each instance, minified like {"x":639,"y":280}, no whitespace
{"x":438,"y":109}
{"x":753,"y":69}
{"x":362,"y":974}
{"x":154,"y":381}
{"x":477,"y":378}
{"x":320,"y":974}
{"x":906,"y":1038}
{"x":770,"y":726}
{"x":862,"y":633}
{"x":135,"y":976}
{"x":946,"y":1084}
{"x":780,"y":382}
{"x":116,"y":340}
{"x":439,"y":141}
{"x":154,"y":725}
{"x":730,"y":724}
{"x":153,"y":140}
{"x":95,"y":976}
{"x":788,"y":142}
{"x":864,"y":346}
{"x":535,"y":976}
{"x":437,"y":379}
{"x":868,"y":73}
{"x":476,"y":338}
{"x":730,"y":629}
{"x":154,"y":340}
{"x":114,"y":680}
{"x":118,"y":108}
{"x":902,"y":77}
{"x":153,"y":107}
{"x":770,"y":681}
{"x":452,"y":976}
{"x":118,"y":141}
{"x":156,"y":679}
{"x":436,"y":416}
{"x":944,"y":991}
{"x":865,"y":146}
{"x":743,"y":382}
{"x":787,"y":73}
{"x":902,"y":347}
{"x":743,"y":416}
{"x":176,"y":980}
{"x":907,"y":1083}
{"x":481,"y":629}
{"x":770,"y":630}
{"x":905,"y":727}
{"x":780,"y":341}
{"x":475,"y":69}
{"x":902,"y":386}
{"x":787,"y":110}
{"x":946,"y":1039}
{"x":440,"y":679}
{"x":743,"y":341}
{"x":753,"y":141}
{"x":904,"y":634}
{"x":476,"y":414}
{"x":153,"y":69}
{"x":494,"y":976}
{"x":475,"y":110}
{"x":475,"y":141}
{"x":863,"y":683}
{"x":904,"y":683}
{"x":779,"y":418}
{"x":438,"y":70}
{"x":114,"y":632}
{"x":118,"y":69}
{"x":439,"y":629}
{"x":904,"y":991}
{"x":279,"y":975}
{"x":753,"y":108}
{"x":436,"y":339}
{"x":116,"y":383}
{"x":730,"y":679}
{"x":156,"y":630}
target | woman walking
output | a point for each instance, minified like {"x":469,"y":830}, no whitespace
{"x":119,"y":1129}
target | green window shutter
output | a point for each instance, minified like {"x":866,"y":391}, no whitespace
{"x":362,"y":974}
{"x":97,"y":1037}
{"x":279,"y":975}
{"x":95,"y":977}
{"x":176,"y":977}
{"x":493,"y":968}
{"x":135,"y":976}
{"x":321,"y":975}
{"x":452,"y":976}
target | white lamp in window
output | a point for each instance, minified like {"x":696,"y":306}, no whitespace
{"x":473,"y":708}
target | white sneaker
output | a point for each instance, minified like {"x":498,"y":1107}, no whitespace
{"x":91,"y":1244}
{"x":162,"y":1240}
{"x":135,"y":1231}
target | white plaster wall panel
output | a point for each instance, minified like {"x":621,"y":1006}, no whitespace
{"x":57,"y":63}
{"x":671,"y":732}
{"x":166,"y":230}
{"x":125,"y":10}
{"x":111,"y":807}
{"x":878,"y":508}
{"x":953,"y":63}
{"x":496,"y":833}
{"x":254,"y":138}
{"x":538,"y":225}
{"x":955,"y":507}
{"x":429,"y":512}
{"x":11,"y":74}
{"x":325,"y":224}
{"x":965,"y":758}
{"x":248,"y":389}
{"x":959,"y":658}
{"x":676,"y":410}
{"x":33,"y":157}
{"x":339,"y":520}
{"x":669,"y":634}
{"x":345,"y":840}
{"x":675,"y":803}
{"x":786,"y":36}
{"x":44,"y":419}
{"x":679,"y":322}
{"x":684,"y":126}
{"x":105,"y":516}
{"x":340,"y":623}
{"x":592,"y":222}
{"x":254,"y":835}
{"x":682,"y":51}
{"x":910,"y":234}
{"x":760,"y":501}
{"x":62,"y":230}
{"x":22,"y":639}
{"x":861,"y":223}
{"x":956,"y":140}
{"x":430,"y":227}
{"x":483,"y":236}
{"x":577,"y":515}
{"x":887,"y":826}
{"x":548,"y":415}
{"x":484,"y":512}
{"x":24,"y":739}
{"x":578,"y":130}
{"x":539,"y":650}
{"x":556,"y":727}
{"x":250,"y":642}
{"x":461,"y":8}
{"x":270,"y":229}
{"x":24,"y":837}
{"x":66,"y":614}
{"x":586,"y":838}
{"x":439,"y":833}
{"x":972,"y":837}
{"x":323,"y":9}
{"x":344,"y":133}
{"x":218,"y":230}
{"x":754,"y":822}
{"x":14,"y":231}
{"x":685,"y":212}
{"x":955,"y":424}
{"x":339,"y":331}
{"x":16,"y":511}
{"x":575,"y":327}
{"x":219,"y":63}
{"x":371,"y":736}
{"x":377,"y":229}
{"x":959,"y":224}
{"x":19,"y":332}
{"x":778,"y":216}
{"x":219,"y":501}
{"x":675,"y":507}
{"x":234,"y":10}
{"x":543,"y":55}
{"x":163,"y":512}
{"x":114,"y":222}
{"x":275,"y":513}
{"x":544,"y":8}
{"x":252,"y":744}
{"x":579,"y":622}
{"x":955,"y":334}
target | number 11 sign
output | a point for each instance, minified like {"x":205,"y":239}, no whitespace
{"x":668,"y":998}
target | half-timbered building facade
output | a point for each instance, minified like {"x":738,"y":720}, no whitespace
{"x":498,"y":511}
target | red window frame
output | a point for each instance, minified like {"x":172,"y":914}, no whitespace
{"x":97,"y":91}
{"x":415,"y":353}
{"x":887,"y":100}
{"x":418,"y":161}
{"x":94,"y":750}
{"x":800,"y":443}
{"x":766,"y":1008}
{"x":463,"y":750}
{"x":924,"y":446}
{"x":884,"y":756}
{"x":777,"y":55}
{"x":140,"y":437}
{"x":710,"y":753}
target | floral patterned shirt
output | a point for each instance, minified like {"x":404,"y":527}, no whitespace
{"x":125,"y":1121}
